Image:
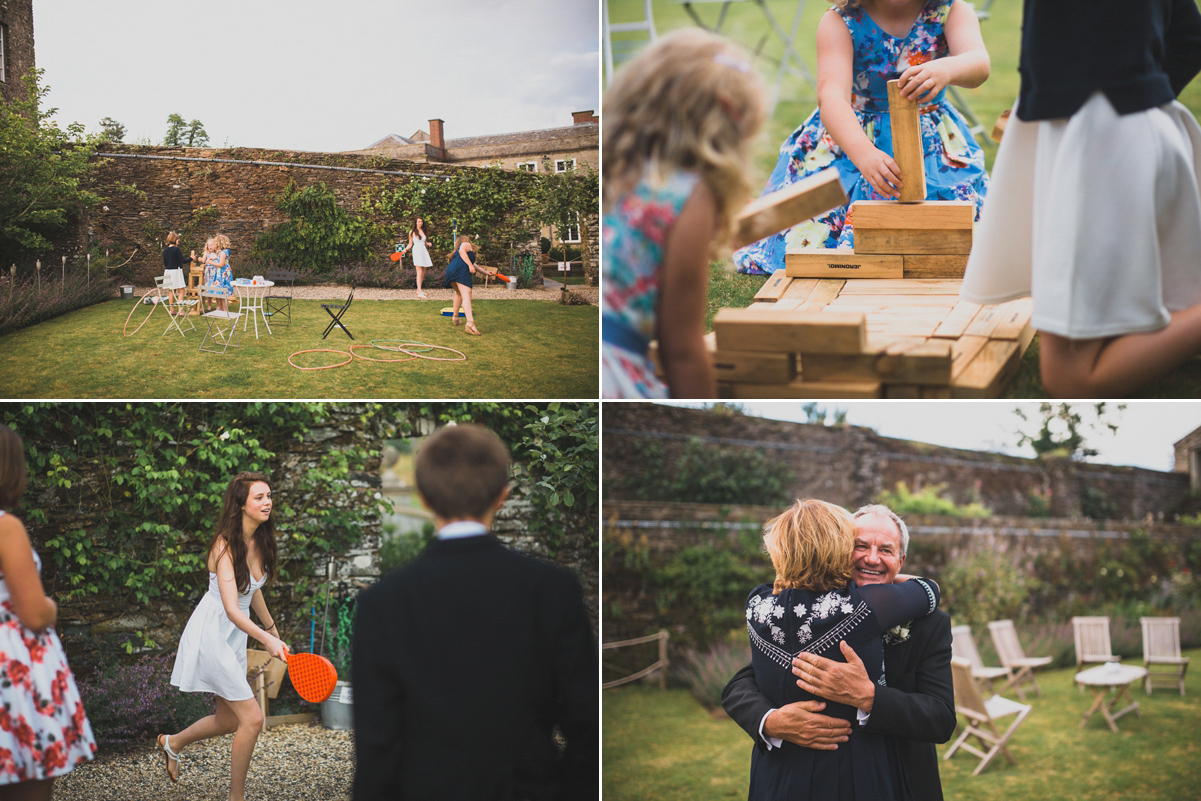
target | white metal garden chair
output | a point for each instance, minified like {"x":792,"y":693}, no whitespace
{"x":1009,"y":651}
{"x":1161,"y":651}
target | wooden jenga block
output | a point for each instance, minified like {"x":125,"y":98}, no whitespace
{"x":930,"y":265}
{"x":998,"y":130}
{"x":904,"y":361}
{"x":924,"y":286}
{"x":987,"y":320}
{"x":756,"y":366}
{"x":987,"y":374}
{"x":808,"y":389}
{"x":925,"y":216}
{"x":785,"y":208}
{"x":907,"y":144}
{"x":783,"y":331}
{"x":938,"y":393}
{"x":963,"y":350}
{"x":843,"y":263}
{"x":903,"y":391}
{"x":774,"y":286}
{"x":913,"y":241}
{"x":955,"y":323}
{"x":1015,"y":319}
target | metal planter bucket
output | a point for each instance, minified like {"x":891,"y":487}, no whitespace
{"x":337,"y":711}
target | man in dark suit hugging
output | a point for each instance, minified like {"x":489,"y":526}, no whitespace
{"x":467,"y":658}
{"x":918,"y":704}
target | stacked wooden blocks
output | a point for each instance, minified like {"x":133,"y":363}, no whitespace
{"x":832,"y":338}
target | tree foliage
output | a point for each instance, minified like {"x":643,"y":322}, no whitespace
{"x":701,"y":472}
{"x":111,"y":130}
{"x":1063,"y":429}
{"x":184,"y":134}
{"x":42,"y":170}
{"x":568,"y":199}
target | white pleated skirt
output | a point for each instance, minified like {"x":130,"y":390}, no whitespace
{"x":1097,"y":217}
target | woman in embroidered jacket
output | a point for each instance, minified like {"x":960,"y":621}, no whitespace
{"x":811,"y":607}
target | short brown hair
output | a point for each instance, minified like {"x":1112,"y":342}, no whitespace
{"x":12,"y":468}
{"x":462,"y":470}
{"x":172,"y":238}
{"x":811,"y":546}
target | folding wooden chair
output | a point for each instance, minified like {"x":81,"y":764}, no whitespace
{"x":279,"y":297}
{"x":1092,"y":641}
{"x":981,"y":717}
{"x":222,"y":327}
{"x":1161,"y":651}
{"x":1009,"y":650}
{"x":963,"y":645}
{"x":336,"y":311}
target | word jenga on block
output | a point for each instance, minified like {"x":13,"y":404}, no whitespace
{"x":816,"y":331}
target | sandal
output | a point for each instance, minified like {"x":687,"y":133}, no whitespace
{"x":471,"y":329}
{"x":454,"y":320}
{"x":421,"y":295}
{"x":168,"y":755}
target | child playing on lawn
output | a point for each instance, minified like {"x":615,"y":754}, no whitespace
{"x":218,"y":278}
{"x":678,"y":123}
{"x":927,"y":45}
{"x":1096,"y":212}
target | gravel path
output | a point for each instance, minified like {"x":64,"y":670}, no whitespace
{"x":299,"y":762}
{"x":436,"y":295}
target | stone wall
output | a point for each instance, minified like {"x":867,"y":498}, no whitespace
{"x":851,"y":465}
{"x":17,"y":18}
{"x":239,"y":184}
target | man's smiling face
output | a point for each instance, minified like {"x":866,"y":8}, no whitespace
{"x":878,"y":556}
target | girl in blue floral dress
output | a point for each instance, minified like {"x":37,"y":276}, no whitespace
{"x":861,"y":45}
{"x":44,"y":732}
{"x":678,"y":122}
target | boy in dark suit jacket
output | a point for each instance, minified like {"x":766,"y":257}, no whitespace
{"x":466,"y":659}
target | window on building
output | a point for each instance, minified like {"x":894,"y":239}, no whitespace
{"x":3,"y":53}
{"x":528,"y":166}
{"x":563,"y":165}
{"x":573,"y":232}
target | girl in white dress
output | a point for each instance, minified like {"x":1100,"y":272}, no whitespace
{"x":421,"y":254}
{"x":212,"y":651}
{"x":44,"y":732}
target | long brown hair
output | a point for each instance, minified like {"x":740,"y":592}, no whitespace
{"x":12,"y":468}
{"x":425,"y":225}
{"x":229,"y":531}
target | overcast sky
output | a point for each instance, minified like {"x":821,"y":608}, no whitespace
{"x":1146,"y":429}
{"x":322,"y":76}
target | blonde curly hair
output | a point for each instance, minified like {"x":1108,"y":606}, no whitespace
{"x":690,"y":101}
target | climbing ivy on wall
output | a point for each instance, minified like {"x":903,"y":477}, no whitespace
{"x":496,"y":208}
{"x":320,"y":234}
{"x":123,"y":498}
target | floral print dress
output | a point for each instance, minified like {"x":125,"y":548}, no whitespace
{"x":954,"y":161}
{"x":634,"y":232}
{"x":43,"y":729}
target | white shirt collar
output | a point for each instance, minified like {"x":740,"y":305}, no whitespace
{"x":461,"y":528}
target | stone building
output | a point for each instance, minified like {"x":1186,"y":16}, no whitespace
{"x":1188,"y":458}
{"x":16,"y":46}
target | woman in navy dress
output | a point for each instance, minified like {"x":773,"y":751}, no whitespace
{"x":458,"y":278}
{"x":811,"y":607}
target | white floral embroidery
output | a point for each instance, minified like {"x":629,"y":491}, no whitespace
{"x":799,"y":610}
{"x":749,"y":613}
{"x":828,"y":604}
{"x":847,"y":608}
{"x":804,"y":634}
{"x":777,"y":634}
{"x":778,"y":611}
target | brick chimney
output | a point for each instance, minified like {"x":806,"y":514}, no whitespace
{"x":583,"y":117}
{"x":436,"y":137}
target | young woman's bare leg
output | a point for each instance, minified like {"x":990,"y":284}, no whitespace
{"x":250,"y":724}
{"x":458,"y":301}
{"x":1112,"y":368}
{"x":465,"y":291}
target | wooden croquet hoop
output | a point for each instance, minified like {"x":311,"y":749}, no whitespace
{"x":349,"y":358}
{"x":462,"y":355}
{"x":369,"y":359}
{"x":137,"y":303}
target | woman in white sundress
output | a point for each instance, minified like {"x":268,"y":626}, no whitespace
{"x":212,"y":651}
{"x":421,"y":254}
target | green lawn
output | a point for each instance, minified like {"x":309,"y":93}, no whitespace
{"x":529,"y":349}
{"x":664,"y":745}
